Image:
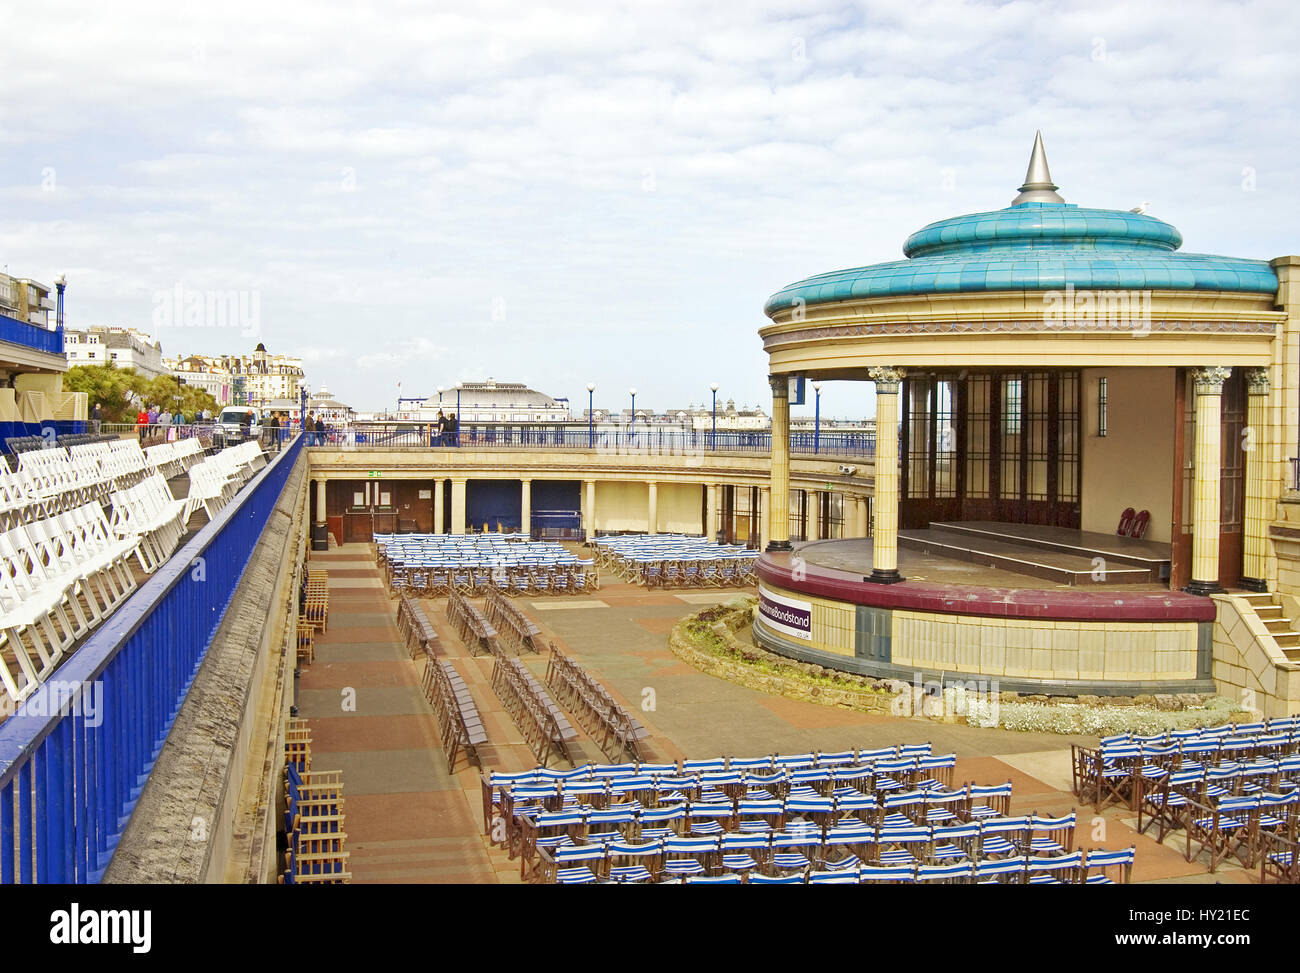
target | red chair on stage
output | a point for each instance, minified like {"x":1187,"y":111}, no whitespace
{"x":1126,"y":522}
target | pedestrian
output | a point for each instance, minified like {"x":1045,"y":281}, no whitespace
{"x":440,"y":438}
{"x":274,"y":426}
{"x":453,"y":430}
{"x":320,"y":431}
{"x":309,"y":428}
{"x":96,"y":417}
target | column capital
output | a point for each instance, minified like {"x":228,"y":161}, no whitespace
{"x":1209,"y":380}
{"x":887,"y":379}
{"x":780,"y":385}
{"x":1257,"y":381}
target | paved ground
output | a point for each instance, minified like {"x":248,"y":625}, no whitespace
{"x":409,"y":820}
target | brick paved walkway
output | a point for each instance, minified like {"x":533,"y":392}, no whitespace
{"x":409,"y":820}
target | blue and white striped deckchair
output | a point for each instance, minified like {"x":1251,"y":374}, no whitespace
{"x":758,"y":878}
{"x":1000,"y":837}
{"x":958,"y":873}
{"x":836,"y":759}
{"x":1164,"y":806}
{"x":600,"y":822}
{"x":1100,"y":860}
{"x":706,"y":818}
{"x":689,"y":856}
{"x":901,"y":846}
{"x":903,"y":810}
{"x":637,"y":855}
{"x":756,"y":816}
{"x":569,"y":871}
{"x":856,"y":807}
{"x":738,"y":850}
{"x":986,"y":801}
{"x":942,"y":806}
{"x":1001,"y":871}
{"x":843,"y":848}
{"x":887,"y":874}
{"x":849,"y":876}
{"x":954,"y":842}
{"x":653,"y":820}
{"x":1046,"y":834}
{"x":1053,"y":870}
{"x":791,"y":850}
{"x":727,"y":879}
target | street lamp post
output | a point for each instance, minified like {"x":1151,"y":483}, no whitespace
{"x":591,"y":415}
{"x":817,"y":417}
{"x":632,"y":425}
{"x":60,"y":283}
{"x":456,"y":435}
{"x":713,"y":436}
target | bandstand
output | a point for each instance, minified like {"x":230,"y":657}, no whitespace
{"x":1083,"y":441}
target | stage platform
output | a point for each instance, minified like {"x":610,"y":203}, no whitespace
{"x":987,"y":617}
{"x":937,"y":580}
{"x":1056,"y":554}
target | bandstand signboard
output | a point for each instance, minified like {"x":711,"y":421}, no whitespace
{"x":785,"y":615}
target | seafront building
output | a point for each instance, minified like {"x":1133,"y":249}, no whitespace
{"x":122,"y":347}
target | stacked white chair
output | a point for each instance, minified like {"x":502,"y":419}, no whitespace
{"x":61,"y":576}
{"x":148,"y":511}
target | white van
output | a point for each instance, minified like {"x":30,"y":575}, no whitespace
{"x":236,"y":424}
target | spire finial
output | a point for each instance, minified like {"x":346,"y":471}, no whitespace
{"x":1038,"y":187}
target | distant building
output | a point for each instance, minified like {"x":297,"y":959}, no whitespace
{"x":123,"y":347}
{"x":489,"y":401}
{"x":257,"y":379}
{"x":334,"y":412}
{"x":212,"y":375}
{"x":26,"y":300}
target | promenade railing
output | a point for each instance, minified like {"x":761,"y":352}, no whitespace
{"x":628,"y":439}
{"x":75,"y":756}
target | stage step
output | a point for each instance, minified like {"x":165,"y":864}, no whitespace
{"x":1086,"y":544}
{"x":1049,"y":565}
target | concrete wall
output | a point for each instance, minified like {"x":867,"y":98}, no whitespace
{"x":679,"y":508}
{"x":1248,"y":666}
{"x":1133,"y":465}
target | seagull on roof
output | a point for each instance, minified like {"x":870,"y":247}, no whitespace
{"x":1140,"y":208}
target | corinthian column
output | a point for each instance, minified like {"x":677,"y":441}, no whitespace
{"x":778,"y":525}
{"x":884,"y":549}
{"x":1208,"y":383}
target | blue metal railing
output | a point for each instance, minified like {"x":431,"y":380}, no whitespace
{"x":75,"y":757}
{"x":631,"y":438}
{"x":30,"y":336}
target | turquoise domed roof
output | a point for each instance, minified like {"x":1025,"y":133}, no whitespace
{"x":1039,"y":242}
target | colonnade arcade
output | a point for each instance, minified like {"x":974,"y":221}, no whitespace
{"x":1007,"y":445}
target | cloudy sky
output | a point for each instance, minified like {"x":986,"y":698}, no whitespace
{"x":564,"y":193}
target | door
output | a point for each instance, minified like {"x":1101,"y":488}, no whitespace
{"x":1232,"y":480}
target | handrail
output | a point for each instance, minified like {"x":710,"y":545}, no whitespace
{"x":73,"y":755}
{"x":621,"y":439}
